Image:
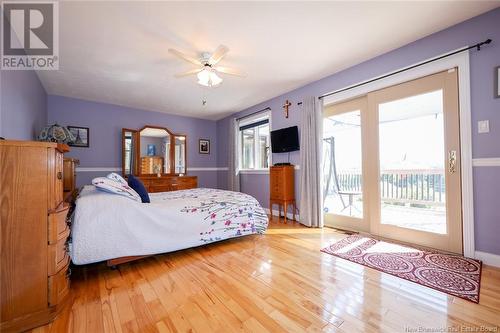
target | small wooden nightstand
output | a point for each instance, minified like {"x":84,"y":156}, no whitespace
{"x":282,"y":192}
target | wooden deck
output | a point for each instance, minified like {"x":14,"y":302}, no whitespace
{"x":279,"y":282}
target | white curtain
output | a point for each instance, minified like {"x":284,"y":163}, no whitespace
{"x":311,"y":135}
{"x":233,"y":181}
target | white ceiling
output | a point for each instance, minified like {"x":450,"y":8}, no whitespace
{"x":117,"y":52}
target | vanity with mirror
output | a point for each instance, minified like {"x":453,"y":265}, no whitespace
{"x":157,"y":157}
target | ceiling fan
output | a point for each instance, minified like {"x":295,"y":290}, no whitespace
{"x":207,"y":66}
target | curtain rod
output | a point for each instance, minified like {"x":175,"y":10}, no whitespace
{"x":477,"y":46}
{"x":251,"y":114}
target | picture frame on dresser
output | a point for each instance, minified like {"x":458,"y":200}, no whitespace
{"x":204,"y":146}
{"x":82,"y":135}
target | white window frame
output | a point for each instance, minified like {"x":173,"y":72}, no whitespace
{"x":247,"y":121}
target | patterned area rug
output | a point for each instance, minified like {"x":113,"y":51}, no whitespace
{"x":451,"y":274}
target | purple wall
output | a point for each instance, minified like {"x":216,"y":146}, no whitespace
{"x":106,"y":122}
{"x":484,"y":106}
{"x":23,"y":109}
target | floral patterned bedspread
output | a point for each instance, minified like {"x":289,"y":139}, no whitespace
{"x":225,"y":212}
{"x":107,"y":226}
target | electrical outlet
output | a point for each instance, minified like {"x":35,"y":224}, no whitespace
{"x":483,"y":126}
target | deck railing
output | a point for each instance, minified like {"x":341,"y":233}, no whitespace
{"x":416,"y":186}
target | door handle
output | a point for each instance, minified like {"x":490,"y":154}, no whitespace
{"x":452,"y":161}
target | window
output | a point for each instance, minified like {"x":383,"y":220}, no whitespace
{"x":254,"y":142}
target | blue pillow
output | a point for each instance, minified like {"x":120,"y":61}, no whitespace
{"x":138,"y":186}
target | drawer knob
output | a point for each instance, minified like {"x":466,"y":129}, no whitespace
{"x":59,"y":175}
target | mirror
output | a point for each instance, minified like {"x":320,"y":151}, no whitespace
{"x":153,"y":150}
{"x":154,"y":155}
{"x":128,"y":151}
{"x":180,"y":154}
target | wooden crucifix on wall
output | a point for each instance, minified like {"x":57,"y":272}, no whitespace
{"x":286,"y":106}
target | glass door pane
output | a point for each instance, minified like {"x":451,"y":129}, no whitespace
{"x":412,"y":157}
{"x":342,"y":164}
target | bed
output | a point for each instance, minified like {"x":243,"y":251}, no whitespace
{"x":114,"y":228}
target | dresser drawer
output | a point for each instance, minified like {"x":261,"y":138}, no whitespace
{"x":58,"y":256}
{"x":276,"y":193}
{"x":160,"y":188}
{"x":276,"y":178}
{"x":185,"y":183}
{"x":58,"y":286}
{"x":58,"y":228}
{"x":167,"y":183}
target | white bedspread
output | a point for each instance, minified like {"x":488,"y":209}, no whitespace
{"x":107,"y":226}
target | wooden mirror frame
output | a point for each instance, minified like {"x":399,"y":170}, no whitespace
{"x":136,"y":139}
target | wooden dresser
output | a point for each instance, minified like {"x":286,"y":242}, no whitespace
{"x":282,"y":191}
{"x":34,"y":264}
{"x":167,"y":183}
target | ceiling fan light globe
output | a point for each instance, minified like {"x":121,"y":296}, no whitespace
{"x":208,"y":78}
{"x":203,"y":83}
{"x":215,"y":79}
{"x":203,"y":77}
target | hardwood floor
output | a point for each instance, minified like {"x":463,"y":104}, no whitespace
{"x":276,"y":282}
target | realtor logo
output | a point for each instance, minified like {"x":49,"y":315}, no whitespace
{"x":30,"y":38}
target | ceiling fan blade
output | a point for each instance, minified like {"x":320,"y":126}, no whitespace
{"x":191,"y":72}
{"x":230,"y":71}
{"x":185,"y":57}
{"x":218,"y":54}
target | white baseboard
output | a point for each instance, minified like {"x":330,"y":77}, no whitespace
{"x":288,"y":215}
{"x":488,"y":258}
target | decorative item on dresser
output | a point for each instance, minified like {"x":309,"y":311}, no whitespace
{"x":69,"y":177}
{"x":160,"y":173}
{"x":282,"y":192}
{"x":56,"y":133}
{"x":34,"y":264}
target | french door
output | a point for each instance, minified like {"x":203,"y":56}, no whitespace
{"x":345,"y":165}
{"x":392,"y":163}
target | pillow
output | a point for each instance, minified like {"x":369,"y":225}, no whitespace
{"x":117,"y":178}
{"x":114,"y":187}
{"x":138,"y":186}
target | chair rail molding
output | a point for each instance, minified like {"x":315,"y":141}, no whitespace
{"x":486,"y":162}
{"x":119,"y":169}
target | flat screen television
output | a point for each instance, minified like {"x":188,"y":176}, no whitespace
{"x":285,"y":140}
